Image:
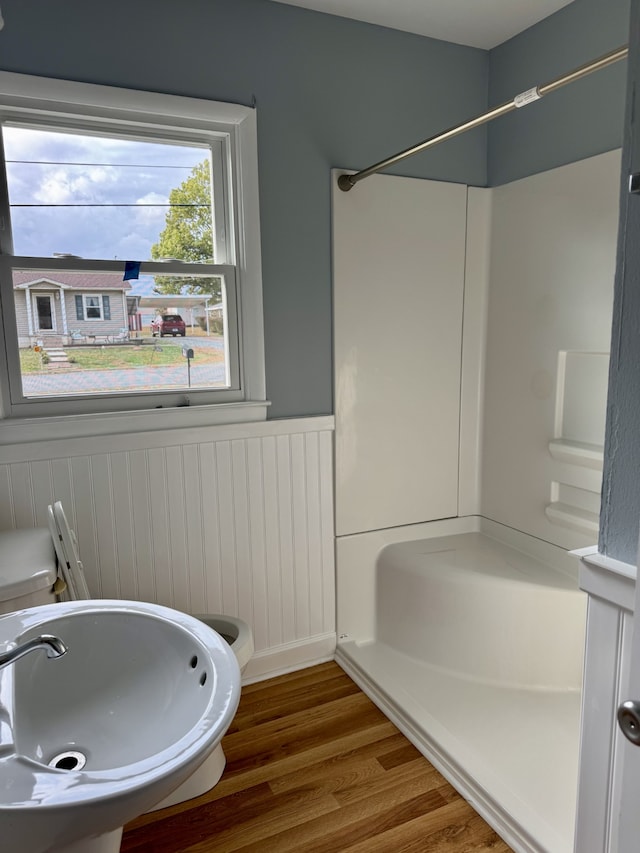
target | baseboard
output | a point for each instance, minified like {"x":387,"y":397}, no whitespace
{"x":290,"y":657}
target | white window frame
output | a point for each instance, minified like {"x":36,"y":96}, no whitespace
{"x":85,"y":315}
{"x":81,"y":105}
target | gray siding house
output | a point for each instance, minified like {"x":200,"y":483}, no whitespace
{"x":63,"y":308}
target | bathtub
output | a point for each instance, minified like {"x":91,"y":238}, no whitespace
{"x":470,"y":637}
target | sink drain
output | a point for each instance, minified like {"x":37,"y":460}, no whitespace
{"x":70,"y":760}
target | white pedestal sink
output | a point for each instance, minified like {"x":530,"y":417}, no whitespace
{"x":90,"y":740}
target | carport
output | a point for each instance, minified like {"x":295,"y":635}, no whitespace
{"x":183,"y":305}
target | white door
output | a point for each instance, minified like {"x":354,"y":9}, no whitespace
{"x":629,"y":723}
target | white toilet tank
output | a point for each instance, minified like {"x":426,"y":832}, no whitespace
{"x":27,"y":569}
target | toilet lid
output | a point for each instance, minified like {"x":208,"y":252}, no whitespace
{"x":27,"y":562}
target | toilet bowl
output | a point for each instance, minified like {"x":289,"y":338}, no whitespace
{"x":235,"y":631}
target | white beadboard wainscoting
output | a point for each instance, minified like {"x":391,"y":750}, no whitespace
{"x":234,"y":519}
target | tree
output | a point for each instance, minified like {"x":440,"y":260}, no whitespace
{"x":188,"y":234}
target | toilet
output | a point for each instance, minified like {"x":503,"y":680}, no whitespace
{"x":235,"y":631}
{"x":28,"y":572}
{"x":29,"y":577}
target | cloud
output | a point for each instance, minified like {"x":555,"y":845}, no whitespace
{"x":134,"y":247}
{"x":69,"y":185}
{"x":152,"y":217}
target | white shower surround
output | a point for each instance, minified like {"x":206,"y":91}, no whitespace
{"x":537,"y":286}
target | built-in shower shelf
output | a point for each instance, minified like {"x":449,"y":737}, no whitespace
{"x":572,"y":517}
{"x":577,"y":453}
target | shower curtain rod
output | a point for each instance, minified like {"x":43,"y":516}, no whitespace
{"x":347,"y":182}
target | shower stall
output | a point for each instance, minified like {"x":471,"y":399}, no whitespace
{"x":471,"y":337}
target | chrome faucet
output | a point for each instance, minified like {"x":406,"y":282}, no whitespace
{"x":53,"y":646}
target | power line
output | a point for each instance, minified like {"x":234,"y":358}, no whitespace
{"x":207,"y":206}
{"x":115,"y":165}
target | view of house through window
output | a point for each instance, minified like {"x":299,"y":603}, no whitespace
{"x":87,"y":333}
{"x":86,"y":329}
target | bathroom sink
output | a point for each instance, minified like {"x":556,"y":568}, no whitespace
{"x":96,"y":737}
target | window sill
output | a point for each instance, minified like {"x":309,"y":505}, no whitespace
{"x":21,"y":430}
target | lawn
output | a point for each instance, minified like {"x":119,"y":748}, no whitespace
{"x":119,"y":357}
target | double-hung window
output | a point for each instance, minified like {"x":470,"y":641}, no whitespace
{"x":91,"y":307}
{"x":118,"y":208}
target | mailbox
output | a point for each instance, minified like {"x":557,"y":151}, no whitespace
{"x":187,"y":352}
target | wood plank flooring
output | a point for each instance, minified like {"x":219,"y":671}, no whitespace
{"x":314,"y":767}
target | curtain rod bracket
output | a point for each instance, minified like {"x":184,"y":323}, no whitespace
{"x":345,"y":183}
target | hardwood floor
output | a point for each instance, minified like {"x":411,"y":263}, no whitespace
{"x":314,"y":767}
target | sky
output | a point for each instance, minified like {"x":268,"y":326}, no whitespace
{"x":60,"y":175}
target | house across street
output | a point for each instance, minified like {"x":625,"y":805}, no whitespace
{"x":59,"y":308}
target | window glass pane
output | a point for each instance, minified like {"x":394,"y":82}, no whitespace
{"x":108,"y":197}
{"x":161,"y":333}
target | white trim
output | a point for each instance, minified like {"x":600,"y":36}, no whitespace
{"x":220,"y":206}
{"x":27,"y":296}
{"x":47,"y":438}
{"x":474,"y":333}
{"x":592,"y":557}
{"x":605,"y":578}
{"x":85,"y":297}
{"x":611,"y":585}
{"x":63,"y":310}
{"x":250,"y":259}
{"x":47,"y":282}
{"x":35,"y":295}
{"x":290,"y":657}
{"x":46,"y":93}
{"x":125,"y":311}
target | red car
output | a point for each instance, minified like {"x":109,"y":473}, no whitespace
{"x":168,"y":324}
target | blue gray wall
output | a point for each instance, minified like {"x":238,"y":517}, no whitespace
{"x":578,"y":121}
{"x":330,"y":93}
{"x":621,"y":481}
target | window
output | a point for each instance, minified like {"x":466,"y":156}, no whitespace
{"x":135,"y":206}
{"x":93,"y":307}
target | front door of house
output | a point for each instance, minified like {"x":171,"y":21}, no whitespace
{"x":45,"y":317}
